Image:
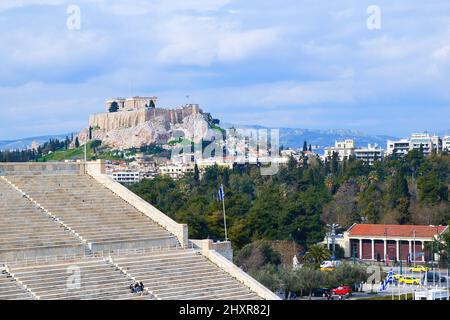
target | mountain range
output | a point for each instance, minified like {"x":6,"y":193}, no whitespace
{"x":25,"y":143}
{"x":295,"y":137}
{"x":289,"y":137}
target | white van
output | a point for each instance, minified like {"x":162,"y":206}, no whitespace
{"x":330,"y":264}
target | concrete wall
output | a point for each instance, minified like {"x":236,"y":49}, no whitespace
{"x":179,"y":230}
{"x":37,"y":168}
{"x":30,"y":253}
{"x":229,"y":267}
{"x":132,"y":244}
{"x":222,"y":247}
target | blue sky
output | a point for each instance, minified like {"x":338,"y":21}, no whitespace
{"x":286,"y":63}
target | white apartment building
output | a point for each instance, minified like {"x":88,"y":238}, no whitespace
{"x":397,"y":147}
{"x":446,"y":143}
{"x":370,"y":154}
{"x":211,"y":162}
{"x":126,"y":177}
{"x":344,"y":149}
{"x":176,"y":171}
{"x":427,"y":142}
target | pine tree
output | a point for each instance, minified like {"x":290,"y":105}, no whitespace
{"x":77,"y":143}
{"x":196,"y":173}
{"x":114,"y":107}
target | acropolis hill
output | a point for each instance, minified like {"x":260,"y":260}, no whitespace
{"x":137,"y":121}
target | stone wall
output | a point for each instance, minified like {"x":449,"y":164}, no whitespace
{"x":222,"y":247}
{"x":177,"y":229}
{"x":229,"y":267}
{"x":127,"y":119}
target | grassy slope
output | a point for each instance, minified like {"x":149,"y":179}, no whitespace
{"x":78,"y":153}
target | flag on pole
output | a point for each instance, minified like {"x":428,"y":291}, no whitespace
{"x":387,"y":281}
{"x":220,"y":194}
{"x":221,"y":197}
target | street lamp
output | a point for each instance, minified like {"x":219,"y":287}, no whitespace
{"x":386,"y":246}
{"x":333,"y":227}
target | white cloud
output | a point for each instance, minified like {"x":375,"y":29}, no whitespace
{"x":258,"y":59}
{"x":205,"y":40}
{"x":160,"y":7}
{"x":11,"y":4}
{"x":442,"y":53}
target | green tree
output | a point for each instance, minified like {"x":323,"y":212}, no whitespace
{"x":290,"y":281}
{"x":114,"y":107}
{"x":431,"y":189}
{"x":397,"y":189}
{"x":316,"y":254}
{"x":309,"y":279}
{"x":269,"y":276}
{"x":372,"y":213}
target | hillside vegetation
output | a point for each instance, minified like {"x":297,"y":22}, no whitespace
{"x":296,"y":203}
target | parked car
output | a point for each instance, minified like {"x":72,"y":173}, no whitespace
{"x":329,"y":265}
{"x":419,"y":269}
{"x":433,"y":276}
{"x":409,"y":280}
{"x":321,"y":292}
{"x":342,"y":291}
{"x":396,"y":276}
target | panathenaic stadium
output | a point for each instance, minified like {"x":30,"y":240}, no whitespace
{"x":69,"y":232}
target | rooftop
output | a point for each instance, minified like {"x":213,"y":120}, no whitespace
{"x":393,"y":230}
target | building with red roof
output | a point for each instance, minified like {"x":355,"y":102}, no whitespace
{"x":389,"y":242}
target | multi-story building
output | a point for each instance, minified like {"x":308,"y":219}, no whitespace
{"x":176,"y":171}
{"x":370,"y":154}
{"x":446,"y":143}
{"x":417,"y":141}
{"x":397,"y":147}
{"x":126,"y":177}
{"x":344,"y":150}
{"x":426,"y":142}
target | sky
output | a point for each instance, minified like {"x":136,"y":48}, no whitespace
{"x":311,"y":64}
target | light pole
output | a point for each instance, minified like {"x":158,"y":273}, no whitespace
{"x":333,"y":227}
{"x":448,"y":260}
{"x":386,"y":247}
{"x":414,"y":248}
{"x":400,"y":256}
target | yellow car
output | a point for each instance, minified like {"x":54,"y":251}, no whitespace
{"x":419,"y":269}
{"x":396,"y":276}
{"x":327,"y":269}
{"x":409,"y":280}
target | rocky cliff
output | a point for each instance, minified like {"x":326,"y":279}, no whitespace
{"x":133,"y":129}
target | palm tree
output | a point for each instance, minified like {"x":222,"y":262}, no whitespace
{"x":316,"y":254}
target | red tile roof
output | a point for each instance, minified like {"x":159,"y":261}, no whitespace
{"x":378,"y":230}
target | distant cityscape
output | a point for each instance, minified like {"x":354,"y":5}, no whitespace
{"x":148,"y":167}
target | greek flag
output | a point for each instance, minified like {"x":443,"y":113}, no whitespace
{"x":388,"y":280}
{"x":220,"y":194}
